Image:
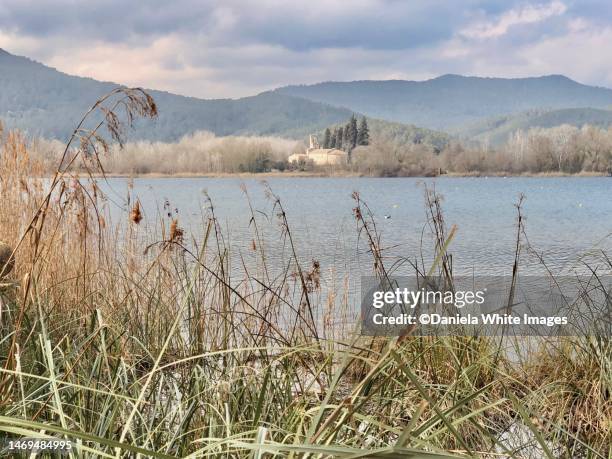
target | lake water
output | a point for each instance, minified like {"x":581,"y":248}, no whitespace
{"x":567,"y":220}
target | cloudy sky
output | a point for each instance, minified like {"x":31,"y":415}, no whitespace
{"x":233,"y":48}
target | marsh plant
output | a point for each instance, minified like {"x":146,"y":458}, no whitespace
{"x":139,"y":340}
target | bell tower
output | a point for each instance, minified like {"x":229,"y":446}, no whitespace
{"x":314,"y":143}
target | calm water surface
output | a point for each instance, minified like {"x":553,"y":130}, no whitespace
{"x":565,"y":218}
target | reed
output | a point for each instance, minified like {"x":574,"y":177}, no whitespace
{"x":135,"y":339}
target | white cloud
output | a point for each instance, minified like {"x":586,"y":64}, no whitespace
{"x":529,"y":14}
{"x":17,"y":44}
{"x":573,"y":50}
{"x":576,"y":54}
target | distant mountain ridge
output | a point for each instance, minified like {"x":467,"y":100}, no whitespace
{"x":43,"y":101}
{"x":450,"y":101}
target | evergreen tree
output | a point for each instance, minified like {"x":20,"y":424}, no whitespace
{"x":363,"y":133}
{"x":340,"y":138}
{"x":347,"y":128}
{"x":351,"y":133}
{"x":332,"y":139}
{"x":327,"y":138}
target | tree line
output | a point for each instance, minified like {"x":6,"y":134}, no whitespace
{"x":349,"y":136}
{"x":562,"y":149}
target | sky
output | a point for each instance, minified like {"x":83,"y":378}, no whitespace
{"x":231,"y":48}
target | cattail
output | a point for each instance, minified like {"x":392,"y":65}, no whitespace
{"x":136,"y":215}
{"x":176,"y":233}
{"x":24,"y":186}
{"x":313,"y":278}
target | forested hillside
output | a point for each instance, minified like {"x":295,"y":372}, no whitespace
{"x":499,"y":129}
{"x":450,"y":101}
{"x":44,"y":102}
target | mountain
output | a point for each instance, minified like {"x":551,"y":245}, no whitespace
{"x":497,"y":130}
{"x":45,"y":102}
{"x":450,"y":101}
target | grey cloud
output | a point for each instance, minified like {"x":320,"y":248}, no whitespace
{"x":221,"y":48}
{"x":374,"y":24}
{"x":110,"y":20}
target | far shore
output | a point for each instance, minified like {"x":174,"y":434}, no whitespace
{"x":345,"y":174}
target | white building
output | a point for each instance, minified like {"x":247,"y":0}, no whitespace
{"x":320,"y":156}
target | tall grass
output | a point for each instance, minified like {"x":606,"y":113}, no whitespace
{"x":141,"y":341}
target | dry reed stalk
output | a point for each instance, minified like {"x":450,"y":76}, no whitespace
{"x":133,"y":103}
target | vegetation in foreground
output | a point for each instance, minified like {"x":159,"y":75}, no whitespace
{"x":137,"y":342}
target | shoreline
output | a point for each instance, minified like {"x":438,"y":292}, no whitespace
{"x":266,"y":175}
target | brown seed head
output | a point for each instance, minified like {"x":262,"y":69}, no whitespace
{"x":176,"y":233}
{"x":136,"y":215}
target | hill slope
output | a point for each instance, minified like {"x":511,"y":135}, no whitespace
{"x":497,"y":130}
{"x":43,"y":101}
{"x":450,"y":101}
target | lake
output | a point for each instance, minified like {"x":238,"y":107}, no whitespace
{"x":568,"y":220}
